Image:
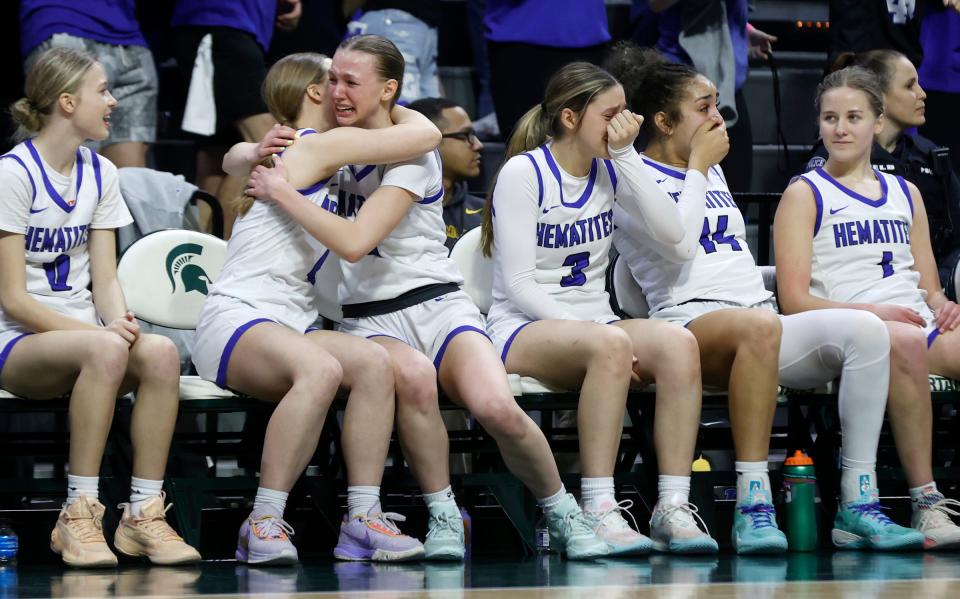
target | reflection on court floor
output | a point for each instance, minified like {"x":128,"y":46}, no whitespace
{"x":848,"y":575}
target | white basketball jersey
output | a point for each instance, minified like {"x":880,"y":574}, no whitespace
{"x":573,"y":236}
{"x":413,"y":254}
{"x":55,"y":213}
{"x":723,"y":268}
{"x":861,"y":247}
{"x":272,"y":261}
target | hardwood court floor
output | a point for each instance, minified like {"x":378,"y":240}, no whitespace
{"x":822,"y":575}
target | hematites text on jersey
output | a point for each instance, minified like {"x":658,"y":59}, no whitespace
{"x":586,"y":230}
{"x":865,"y":232}
{"x":61,"y":239}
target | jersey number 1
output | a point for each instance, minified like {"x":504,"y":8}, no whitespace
{"x":885,"y":259}
{"x":57,"y":273}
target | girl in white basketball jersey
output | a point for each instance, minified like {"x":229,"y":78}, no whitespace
{"x":254,"y":333}
{"x":548,"y":227}
{"x":401,"y":289}
{"x":710,"y":283}
{"x":59,"y":208}
{"x":848,"y":236}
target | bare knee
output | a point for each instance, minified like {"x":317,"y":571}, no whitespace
{"x":155,"y":358}
{"x":609,"y":350}
{"x":319,"y":375}
{"x":501,"y":416}
{"x":908,"y":351}
{"x":373,"y":366}
{"x":107,"y":356}
{"x":760,"y":332}
{"x":677,"y":349}
{"x":416,"y":383}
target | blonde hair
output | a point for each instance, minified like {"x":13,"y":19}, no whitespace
{"x":390,"y":63}
{"x":282,"y":91}
{"x":857,"y":78}
{"x":574,"y":86}
{"x":57,"y":71}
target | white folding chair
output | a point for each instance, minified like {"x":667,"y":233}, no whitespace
{"x":769,"y":274}
{"x":476,"y":268}
{"x":477,"y":271}
{"x":165,"y":277}
{"x":626,"y":291}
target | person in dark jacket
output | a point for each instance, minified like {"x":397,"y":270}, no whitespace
{"x":460,"y":155}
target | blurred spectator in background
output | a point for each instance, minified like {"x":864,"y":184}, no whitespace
{"x":460,"y":158}
{"x":486,"y":121}
{"x":862,"y":25}
{"x":412,"y":26}
{"x":529,"y":40}
{"x":320,"y":29}
{"x":108,"y":30}
{"x":716,"y":39}
{"x":940,"y":73}
{"x":643,"y":23}
{"x":220,"y":47}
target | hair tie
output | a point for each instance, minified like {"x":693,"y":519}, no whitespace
{"x":543,"y":108}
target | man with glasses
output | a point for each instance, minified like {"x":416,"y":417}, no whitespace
{"x":460,"y":155}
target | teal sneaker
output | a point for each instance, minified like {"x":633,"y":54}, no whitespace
{"x":755,"y":525}
{"x":674,"y":529}
{"x":444,"y":534}
{"x":572,"y":533}
{"x":863,"y":525}
{"x":612,"y":528}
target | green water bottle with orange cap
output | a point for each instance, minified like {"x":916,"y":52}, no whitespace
{"x":800,"y":496}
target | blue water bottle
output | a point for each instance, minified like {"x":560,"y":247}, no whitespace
{"x":9,"y":544}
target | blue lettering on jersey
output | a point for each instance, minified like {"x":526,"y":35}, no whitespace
{"x":866,"y":232}
{"x":330,"y":204}
{"x":63,"y":239}
{"x":717,"y":198}
{"x":576,"y":233}
{"x":351,"y":205}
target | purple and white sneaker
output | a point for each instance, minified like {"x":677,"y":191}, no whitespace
{"x":375,"y":537}
{"x":264,"y":539}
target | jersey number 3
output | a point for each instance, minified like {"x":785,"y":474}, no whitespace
{"x":577,"y":262}
{"x":710,"y":241}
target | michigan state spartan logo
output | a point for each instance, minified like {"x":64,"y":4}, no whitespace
{"x":192,"y":276}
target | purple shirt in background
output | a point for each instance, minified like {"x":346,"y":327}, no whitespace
{"x":556,"y":23}
{"x":107,"y":21}
{"x":940,"y":38}
{"x":671,"y":23}
{"x":256,"y":17}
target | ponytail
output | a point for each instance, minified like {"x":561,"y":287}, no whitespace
{"x":574,"y":86}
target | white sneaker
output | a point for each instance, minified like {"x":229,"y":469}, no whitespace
{"x":674,"y":529}
{"x":935,"y":524}
{"x":616,"y":532}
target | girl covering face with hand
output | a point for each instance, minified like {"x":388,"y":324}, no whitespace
{"x":710,"y":284}
{"x":548,"y":228}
